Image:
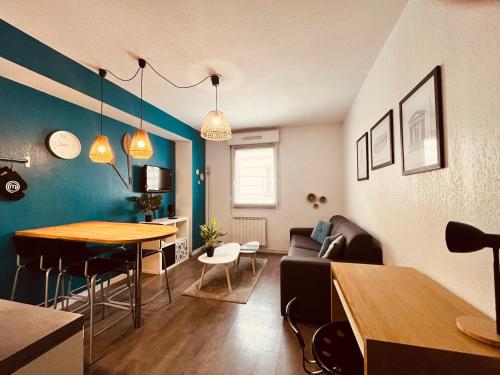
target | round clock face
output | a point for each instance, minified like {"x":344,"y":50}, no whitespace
{"x":64,"y":145}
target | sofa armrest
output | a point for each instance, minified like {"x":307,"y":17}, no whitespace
{"x":301,"y":232}
{"x":308,"y":279}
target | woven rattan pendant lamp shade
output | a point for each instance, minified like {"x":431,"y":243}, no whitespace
{"x":140,"y":146}
{"x":101,"y":151}
{"x":215,"y":126}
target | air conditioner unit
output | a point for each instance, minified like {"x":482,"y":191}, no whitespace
{"x":255,"y":137}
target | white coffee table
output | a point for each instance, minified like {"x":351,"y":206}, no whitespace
{"x":224,"y":254}
{"x":250,"y":248}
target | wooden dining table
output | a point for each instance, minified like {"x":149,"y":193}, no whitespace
{"x":104,"y":232}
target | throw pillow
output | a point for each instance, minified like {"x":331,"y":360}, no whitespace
{"x":326,"y":243}
{"x":335,"y":249}
{"x":321,"y":231}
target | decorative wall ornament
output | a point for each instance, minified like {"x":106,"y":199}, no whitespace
{"x":311,"y":197}
{"x":421,"y":121}
{"x":64,"y":144}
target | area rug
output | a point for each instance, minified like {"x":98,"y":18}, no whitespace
{"x":215,"y":284}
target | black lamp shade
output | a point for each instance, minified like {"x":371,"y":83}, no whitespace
{"x":464,"y":238}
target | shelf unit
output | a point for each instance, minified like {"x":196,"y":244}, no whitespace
{"x":180,"y":243}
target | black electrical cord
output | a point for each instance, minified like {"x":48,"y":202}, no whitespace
{"x":173,"y":84}
{"x":124,"y":79}
{"x":102,"y":98}
{"x":142,"y":74}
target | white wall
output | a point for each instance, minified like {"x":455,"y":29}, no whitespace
{"x":310,"y":161}
{"x":408,"y":214}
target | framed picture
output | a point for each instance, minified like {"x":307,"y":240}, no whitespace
{"x":421,"y":120}
{"x":362,"y":157}
{"x":381,"y":142}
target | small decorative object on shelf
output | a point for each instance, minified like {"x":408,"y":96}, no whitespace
{"x":463,"y":238}
{"x":148,"y":204}
{"x":211,"y":235}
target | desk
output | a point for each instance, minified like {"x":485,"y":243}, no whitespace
{"x":404,"y":322}
{"x":108,"y":233}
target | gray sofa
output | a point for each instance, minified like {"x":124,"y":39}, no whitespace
{"x":304,"y":275}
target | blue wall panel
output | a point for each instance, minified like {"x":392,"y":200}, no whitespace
{"x":76,"y":190}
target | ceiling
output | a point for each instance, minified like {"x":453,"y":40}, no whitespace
{"x":283,"y":62}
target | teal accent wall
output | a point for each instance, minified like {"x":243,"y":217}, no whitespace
{"x":76,"y":190}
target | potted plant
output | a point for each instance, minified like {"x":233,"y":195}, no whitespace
{"x":210,"y":235}
{"x":148,"y":204}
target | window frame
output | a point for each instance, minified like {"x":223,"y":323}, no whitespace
{"x":277,"y":179}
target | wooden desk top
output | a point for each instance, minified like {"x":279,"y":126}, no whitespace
{"x":400,"y":305}
{"x":102,"y":232}
{"x":29,"y":331}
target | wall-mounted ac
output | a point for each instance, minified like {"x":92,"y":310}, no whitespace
{"x":255,"y":137}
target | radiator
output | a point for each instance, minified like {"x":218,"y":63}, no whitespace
{"x":245,"y":229}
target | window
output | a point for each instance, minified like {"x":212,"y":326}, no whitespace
{"x":255,"y":176}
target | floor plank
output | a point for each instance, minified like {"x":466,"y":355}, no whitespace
{"x":199,"y":336}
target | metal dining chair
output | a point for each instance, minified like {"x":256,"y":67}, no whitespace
{"x":35,"y":254}
{"x":334,"y":347}
{"x":130,"y":256}
{"x":78,"y":260}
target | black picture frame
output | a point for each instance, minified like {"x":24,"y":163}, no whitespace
{"x":437,"y":128}
{"x":390,"y":136}
{"x":365,"y":153}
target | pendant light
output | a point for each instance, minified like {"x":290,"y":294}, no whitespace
{"x":215,"y":126}
{"x":101,"y":151}
{"x":140,"y":146}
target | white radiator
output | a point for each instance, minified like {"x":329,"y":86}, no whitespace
{"x":246,"y":229}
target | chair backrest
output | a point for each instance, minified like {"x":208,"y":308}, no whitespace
{"x":29,"y":247}
{"x":293,"y":324}
{"x":72,"y":251}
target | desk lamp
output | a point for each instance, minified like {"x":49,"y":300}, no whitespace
{"x":463,"y":238}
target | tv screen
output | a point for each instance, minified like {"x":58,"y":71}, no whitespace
{"x":157,"y":180}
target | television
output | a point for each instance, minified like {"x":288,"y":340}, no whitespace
{"x":157,"y":179}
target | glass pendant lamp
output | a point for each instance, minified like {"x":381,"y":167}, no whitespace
{"x":215,"y":126}
{"x":101,"y":151}
{"x":140,"y":146}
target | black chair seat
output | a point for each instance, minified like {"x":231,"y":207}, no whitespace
{"x":48,"y":262}
{"x":334,"y":345}
{"x":98,"y":266}
{"x":131,"y":255}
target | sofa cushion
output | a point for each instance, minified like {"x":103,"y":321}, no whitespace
{"x":335,"y":250}
{"x":321,"y":231}
{"x":305,"y":243}
{"x":300,"y":252}
{"x":326,"y":244}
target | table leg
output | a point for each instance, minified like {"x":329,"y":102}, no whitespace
{"x":202,"y":276}
{"x":228,"y":278}
{"x":254,"y":258}
{"x":138,"y":287}
{"x":238,"y":262}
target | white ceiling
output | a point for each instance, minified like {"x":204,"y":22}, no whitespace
{"x":283,"y":62}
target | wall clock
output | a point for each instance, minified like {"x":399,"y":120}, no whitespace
{"x":64,"y":145}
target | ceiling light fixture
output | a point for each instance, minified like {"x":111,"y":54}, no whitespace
{"x":140,"y":146}
{"x":215,"y":126}
{"x":101,"y":151}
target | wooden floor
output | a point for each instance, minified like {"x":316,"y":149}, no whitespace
{"x":199,"y":336}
